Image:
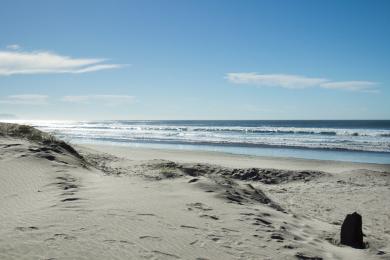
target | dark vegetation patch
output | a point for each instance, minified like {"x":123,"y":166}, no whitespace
{"x":170,"y":169}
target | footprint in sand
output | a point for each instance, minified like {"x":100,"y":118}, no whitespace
{"x":165,"y":254}
{"x":213,"y":217}
{"x":277,"y":237}
{"x":64,"y":236}
{"x":259,"y":221}
{"x":186,"y":226}
{"x":150,"y":237}
{"x":198,"y":206}
{"x":69,"y":199}
{"x":146,"y":214}
{"x":303,"y":256}
{"x":10,"y":145}
{"x":31,"y":228}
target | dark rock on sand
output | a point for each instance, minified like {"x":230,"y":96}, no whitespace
{"x":351,"y":231}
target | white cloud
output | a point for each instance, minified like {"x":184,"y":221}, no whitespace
{"x":109,"y":100}
{"x":13,"y":46}
{"x":363,"y":86}
{"x":39,"y":62}
{"x":99,"y":67}
{"x":299,"y":82}
{"x":25,"y":99}
{"x":274,"y":80}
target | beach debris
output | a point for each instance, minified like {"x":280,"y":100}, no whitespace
{"x":351,"y":231}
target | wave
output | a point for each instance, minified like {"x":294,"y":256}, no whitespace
{"x":239,"y":130}
{"x":341,"y":146}
{"x":352,"y":139}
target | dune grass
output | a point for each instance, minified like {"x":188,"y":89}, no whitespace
{"x":26,"y":132}
{"x":34,"y":135}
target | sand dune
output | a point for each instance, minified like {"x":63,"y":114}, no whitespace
{"x":122,"y":203}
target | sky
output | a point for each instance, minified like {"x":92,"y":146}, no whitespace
{"x":90,"y":60}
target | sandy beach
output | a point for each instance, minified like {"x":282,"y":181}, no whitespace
{"x":194,"y":130}
{"x":107,"y":202}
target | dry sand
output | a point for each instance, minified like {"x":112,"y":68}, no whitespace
{"x":130,"y":203}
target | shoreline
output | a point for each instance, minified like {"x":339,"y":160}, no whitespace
{"x":234,"y":160}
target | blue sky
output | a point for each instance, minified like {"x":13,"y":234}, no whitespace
{"x":195,"y":59}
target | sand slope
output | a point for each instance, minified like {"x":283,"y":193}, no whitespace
{"x":55,"y":205}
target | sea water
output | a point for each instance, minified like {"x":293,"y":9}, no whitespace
{"x":344,"y":140}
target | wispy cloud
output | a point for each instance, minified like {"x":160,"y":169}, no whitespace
{"x":109,"y":100}
{"x":7,"y":116}
{"x":274,"y":80}
{"x":35,"y":99}
{"x":298,"y":82}
{"x":13,"y":46}
{"x":38,"y":62}
{"x":25,"y":99}
{"x":363,"y":86}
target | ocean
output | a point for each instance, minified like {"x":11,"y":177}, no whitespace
{"x":344,"y":140}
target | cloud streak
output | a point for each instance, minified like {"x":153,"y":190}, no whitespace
{"x":25,"y":99}
{"x":13,"y":47}
{"x":14,"y":62}
{"x":35,"y":99}
{"x":274,"y":80}
{"x":110,"y":100}
{"x":7,"y":116}
{"x":298,"y":82}
{"x":363,"y":86}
